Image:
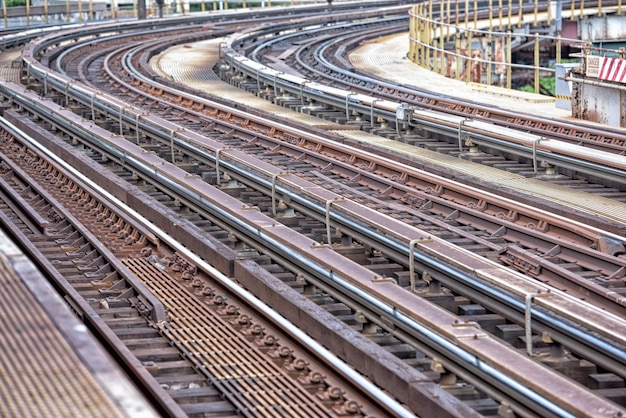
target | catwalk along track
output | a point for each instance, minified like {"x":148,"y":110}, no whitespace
{"x":169,"y":207}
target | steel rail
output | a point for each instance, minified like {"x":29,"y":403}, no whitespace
{"x":252,"y":14}
{"x":353,"y":24}
{"x":349,"y":73}
{"x":612,"y":237}
{"x":383,"y":399}
{"x":116,"y":107}
{"x":171,"y":182}
{"x":135,"y":74}
{"x":134,"y":116}
{"x":199,"y":155}
{"x":154,"y":173}
{"x":534,"y":147}
{"x":128,"y":121}
{"x":82,"y":307}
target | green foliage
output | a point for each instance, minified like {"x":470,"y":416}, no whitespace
{"x":547,"y":85}
{"x":14,"y":3}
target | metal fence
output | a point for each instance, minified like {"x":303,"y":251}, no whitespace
{"x":39,"y":12}
{"x":474,"y":42}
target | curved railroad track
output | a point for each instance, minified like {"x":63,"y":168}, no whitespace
{"x":172,"y":107}
{"x":320,"y":56}
{"x":289,"y":193}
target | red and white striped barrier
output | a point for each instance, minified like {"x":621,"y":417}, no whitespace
{"x":612,"y":69}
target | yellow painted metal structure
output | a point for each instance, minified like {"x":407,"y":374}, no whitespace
{"x":476,"y":47}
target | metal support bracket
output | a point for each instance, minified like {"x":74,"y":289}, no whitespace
{"x":403,"y":114}
{"x":274,"y":178}
{"x":93,"y":106}
{"x":328,"y":205}
{"x":461,"y":123}
{"x":535,"y":143}
{"x":139,"y":115}
{"x":172,"y":146}
{"x":528,"y":319}
{"x":258,"y":78}
{"x":275,"y":86}
{"x":412,"y":259}
{"x":217,"y":165}
{"x":302,"y":92}
{"x":347,"y":103}
{"x":67,"y":93}
{"x":372,"y":112}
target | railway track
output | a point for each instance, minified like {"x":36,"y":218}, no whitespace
{"x":320,"y":59}
{"x":455,"y":329}
{"x":220,"y":159}
{"x":176,"y":327}
{"x":406,"y":196}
